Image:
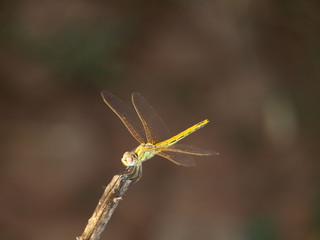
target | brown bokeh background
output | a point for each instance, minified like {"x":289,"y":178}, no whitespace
{"x":251,"y":67}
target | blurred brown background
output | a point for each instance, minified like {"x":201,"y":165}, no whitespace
{"x":251,"y":67}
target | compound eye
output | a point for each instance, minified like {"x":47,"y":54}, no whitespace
{"x":128,"y":159}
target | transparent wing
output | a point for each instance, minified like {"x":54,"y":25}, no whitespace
{"x":188,"y":149}
{"x":127,"y":115}
{"x":178,"y":158}
{"x":156,"y":130}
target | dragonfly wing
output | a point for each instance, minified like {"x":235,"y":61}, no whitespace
{"x":156,"y":130}
{"x":127,"y":115}
{"x":178,"y":158}
{"x":188,"y":149}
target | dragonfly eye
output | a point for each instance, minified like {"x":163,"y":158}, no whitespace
{"x":128,"y":159}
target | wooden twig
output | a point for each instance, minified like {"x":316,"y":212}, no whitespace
{"x":110,"y":199}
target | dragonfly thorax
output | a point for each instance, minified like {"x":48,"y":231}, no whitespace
{"x":145,"y":151}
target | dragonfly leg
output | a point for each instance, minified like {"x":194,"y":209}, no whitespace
{"x":138,"y":172}
{"x":129,"y":171}
{"x":134,"y":172}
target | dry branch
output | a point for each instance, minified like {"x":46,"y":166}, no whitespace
{"x":110,"y":199}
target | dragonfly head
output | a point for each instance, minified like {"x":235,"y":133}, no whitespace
{"x":128,"y":159}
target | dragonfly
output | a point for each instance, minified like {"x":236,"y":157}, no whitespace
{"x":150,"y":131}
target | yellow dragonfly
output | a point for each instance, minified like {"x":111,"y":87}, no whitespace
{"x":149,"y":130}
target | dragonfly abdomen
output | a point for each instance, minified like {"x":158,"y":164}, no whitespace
{"x":183,"y":134}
